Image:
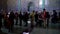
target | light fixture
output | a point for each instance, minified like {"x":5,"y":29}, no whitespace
{"x":40,"y":2}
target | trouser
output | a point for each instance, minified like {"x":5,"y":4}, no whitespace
{"x":16,"y":21}
{"x":39,"y":23}
{"x":11,"y":28}
{"x":20,"y":22}
{"x":26,"y":23}
{"x":5,"y":23}
{"x":32,"y":23}
{"x":45,"y":22}
{"x":54,"y":20}
{"x":36,"y":20}
{"x":10,"y":25}
{"x":0,"y":26}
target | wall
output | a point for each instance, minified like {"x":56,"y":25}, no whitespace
{"x":22,"y":4}
{"x":3,"y":4}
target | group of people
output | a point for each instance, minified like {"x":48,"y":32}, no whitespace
{"x":39,"y":18}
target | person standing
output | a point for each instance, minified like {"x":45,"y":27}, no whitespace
{"x":32,"y":16}
{"x":59,"y":16}
{"x":20,"y":18}
{"x":0,"y":21}
{"x":5,"y":18}
{"x":40,"y":20}
{"x":36,"y":16}
{"x":48,"y":17}
{"x":54,"y":16}
{"x":16,"y":18}
{"x":44,"y":17}
{"x":11,"y":18}
{"x":26,"y":18}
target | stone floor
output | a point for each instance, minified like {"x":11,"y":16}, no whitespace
{"x":53,"y":29}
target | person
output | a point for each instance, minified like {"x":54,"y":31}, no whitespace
{"x":44,"y":17}
{"x":39,"y":22}
{"x":59,"y":16}
{"x":7,"y":21}
{"x":5,"y":18}
{"x":11,"y":18}
{"x":0,"y":21}
{"x":16,"y":18}
{"x":36,"y":17}
{"x":26,"y":18}
{"x":54,"y":17}
{"x":32,"y":16}
{"x":20,"y":18}
{"x":23,"y":16}
{"x":48,"y":16}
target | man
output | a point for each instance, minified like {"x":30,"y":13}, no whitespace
{"x":36,"y":17}
{"x":39,"y":22}
{"x":44,"y":17}
{"x":26,"y":16}
{"x":0,"y":21}
{"x":16,"y":18}
{"x":48,"y":16}
{"x":11,"y":18}
{"x":32,"y":16}
{"x":5,"y":17}
{"x":54,"y":16}
{"x":59,"y":16}
{"x":20,"y":18}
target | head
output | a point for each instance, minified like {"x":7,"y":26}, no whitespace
{"x":11,"y":12}
{"x":33,"y":11}
{"x":54,"y":10}
{"x":44,"y":9}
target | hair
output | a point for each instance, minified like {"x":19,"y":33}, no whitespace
{"x":44,"y":9}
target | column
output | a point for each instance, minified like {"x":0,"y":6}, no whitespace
{"x":43,"y":4}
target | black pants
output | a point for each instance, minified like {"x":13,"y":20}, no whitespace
{"x":5,"y":23}
{"x":20,"y":22}
{"x":47,"y":22}
{"x":16,"y":21}
{"x":54,"y":20}
{"x":0,"y":25}
{"x":36,"y":20}
{"x":26,"y":23}
{"x":39,"y":23}
{"x":11,"y":26}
